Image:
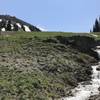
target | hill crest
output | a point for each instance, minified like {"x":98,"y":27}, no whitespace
{"x":11,"y":23}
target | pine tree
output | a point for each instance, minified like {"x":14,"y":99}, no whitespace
{"x":94,"y":29}
{"x":33,"y":28}
{"x":96,"y":26}
{"x":0,"y":26}
{"x":23,"y":27}
{"x":3,"y":23}
{"x":15,"y":27}
{"x":8,"y":28}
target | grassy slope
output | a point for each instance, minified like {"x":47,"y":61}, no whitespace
{"x":33,"y":70}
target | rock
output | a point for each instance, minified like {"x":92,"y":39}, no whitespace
{"x":99,"y":88}
{"x":98,"y":68}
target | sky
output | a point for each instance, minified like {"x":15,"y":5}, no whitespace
{"x":54,"y":15}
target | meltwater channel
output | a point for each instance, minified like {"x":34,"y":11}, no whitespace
{"x":83,"y":92}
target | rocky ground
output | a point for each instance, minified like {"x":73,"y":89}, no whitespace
{"x":96,"y":97}
{"x":40,"y":69}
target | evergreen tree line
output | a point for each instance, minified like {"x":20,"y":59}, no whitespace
{"x":96,"y":26}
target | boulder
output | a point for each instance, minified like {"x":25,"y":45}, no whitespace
{"x":98,"y":68}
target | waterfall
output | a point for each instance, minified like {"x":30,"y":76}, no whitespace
{"x":83,"y":92}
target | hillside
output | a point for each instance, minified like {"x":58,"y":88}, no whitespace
{"x":11,"y":23}
{"x":44,"y":65}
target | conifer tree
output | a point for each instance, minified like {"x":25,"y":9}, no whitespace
{"x":15,"y":27}
{"x":23,"y":27}
{"x":8,"y":28}
{"x":96,"y":26}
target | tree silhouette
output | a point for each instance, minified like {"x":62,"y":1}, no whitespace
{"x":2,"y":24}
{"x":15,"y":27}
{"x":22,"y":26}
{"x":8,"y":28}
{"x":96,"y":26}
{"x":33,"y":28}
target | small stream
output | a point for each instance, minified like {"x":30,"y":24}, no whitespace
{"x":83,"y":92}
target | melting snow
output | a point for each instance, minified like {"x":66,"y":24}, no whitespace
{"x":42,"y":29}
{"x":12,"y":26}
{"x":3,"y":29}
{"x":27,"y":28}
{"x":18,"y":24}
{"x":0,"y":20}
{"x":94,"y":35}
{"x":83,"y":92}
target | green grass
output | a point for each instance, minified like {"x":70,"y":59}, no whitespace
{"x":31,"y":69}
{"x":12,"y":42}
{"x":97,"y":35}
{"x":40,"y":34}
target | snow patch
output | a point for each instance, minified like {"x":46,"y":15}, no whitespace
{"x":18,"y":24}
{"x":41,"y":28}
{"x":94,"y":35}
{"x":27,"y":28}
{"x":98,"y":47}
{"x":12,"y":26}
{"x":7,"y":21}
{"x":3,"y":29}
{"x":0,"y":20}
